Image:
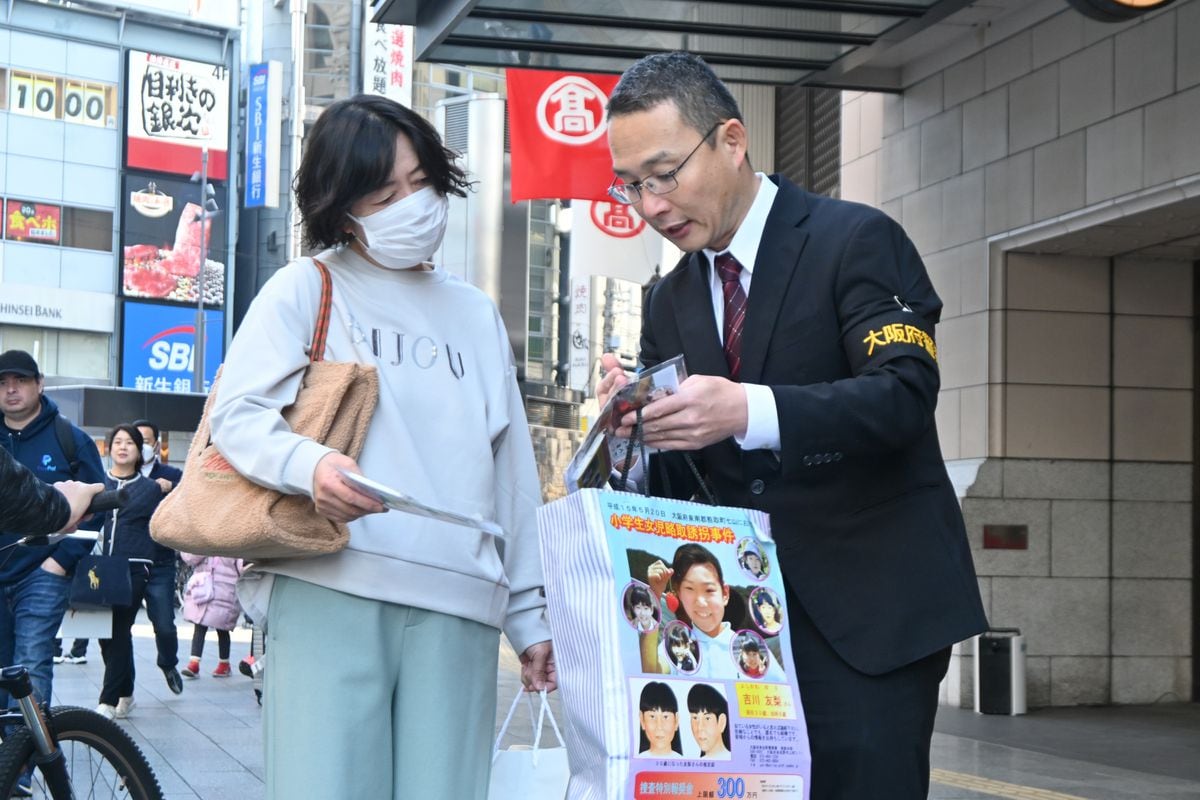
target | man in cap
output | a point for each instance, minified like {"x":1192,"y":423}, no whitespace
{"x":34,"y":581}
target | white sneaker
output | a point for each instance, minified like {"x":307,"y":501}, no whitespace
{"x":107,"y":711}
{"x":124,"y":706}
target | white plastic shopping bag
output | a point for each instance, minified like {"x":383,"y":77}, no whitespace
{"x":529,"y":773}
{"x":86,"y":623}
{"x":672,"y":650}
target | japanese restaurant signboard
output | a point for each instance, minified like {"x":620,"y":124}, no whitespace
{"x":387,"y":62}
{"x":174,"y":109}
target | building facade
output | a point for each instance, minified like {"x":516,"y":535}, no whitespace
{"x":104,"y":113}
{"x":1048,"y":168}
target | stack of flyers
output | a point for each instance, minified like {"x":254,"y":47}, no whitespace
{"x":593,"y":463}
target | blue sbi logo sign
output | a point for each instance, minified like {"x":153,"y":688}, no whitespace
{"x":158,"y":347}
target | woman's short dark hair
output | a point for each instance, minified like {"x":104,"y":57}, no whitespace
{"x":351,"y":152}
{"x":134,"y":434}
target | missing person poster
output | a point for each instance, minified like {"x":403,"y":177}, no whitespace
{"x":705,"y":651}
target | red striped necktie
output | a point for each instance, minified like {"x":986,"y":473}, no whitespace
{"x":729,"y":271}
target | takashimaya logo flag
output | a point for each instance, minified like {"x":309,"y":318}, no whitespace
{"x":559,"y":134}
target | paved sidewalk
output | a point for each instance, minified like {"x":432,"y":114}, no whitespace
{"x":206,"y":743}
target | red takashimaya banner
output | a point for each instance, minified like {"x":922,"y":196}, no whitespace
{"x":559,"y":134}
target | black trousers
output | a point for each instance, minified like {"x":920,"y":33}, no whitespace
{"x":869,"y":734}
{"x":118,"y":651}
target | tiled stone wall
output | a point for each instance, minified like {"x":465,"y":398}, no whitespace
{"x":1071,"y":378}
{"x":1103,"y":593}
{"x":1027,"y":123}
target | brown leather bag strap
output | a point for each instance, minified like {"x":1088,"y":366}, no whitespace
{"x":316,"y":351}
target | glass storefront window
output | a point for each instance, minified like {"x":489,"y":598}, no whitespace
{"x":87,"y":229}
{"x":61,"y":226}
{"x":75,"y":354}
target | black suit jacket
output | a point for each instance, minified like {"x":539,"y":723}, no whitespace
{"x":839,"y":325}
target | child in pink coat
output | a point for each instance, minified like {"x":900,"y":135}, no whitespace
{"x":210,"y":601}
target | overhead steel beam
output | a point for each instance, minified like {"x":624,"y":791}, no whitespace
{"x":672,"y":26}
{"x":630,"y":53}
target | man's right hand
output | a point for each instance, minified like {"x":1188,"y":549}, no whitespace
{"x":78,"y":495}
{"x":614,"y":378}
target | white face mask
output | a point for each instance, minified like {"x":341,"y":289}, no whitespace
{"x":148,"y":453}
{"x":406,"y":233}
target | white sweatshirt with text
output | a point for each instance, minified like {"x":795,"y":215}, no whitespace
{"x":450,"y":430}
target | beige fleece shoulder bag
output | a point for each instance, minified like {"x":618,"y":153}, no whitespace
{"x":216,"y":511}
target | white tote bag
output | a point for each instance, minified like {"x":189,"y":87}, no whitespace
{"x":624,"y":659}
{"x":529,"y":773}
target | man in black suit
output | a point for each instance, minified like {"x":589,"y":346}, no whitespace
{"x":807,"y":328}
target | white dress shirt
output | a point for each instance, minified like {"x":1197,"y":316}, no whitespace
{"x":762,"y":423}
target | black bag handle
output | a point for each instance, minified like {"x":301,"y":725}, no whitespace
{"x":639,"y":440}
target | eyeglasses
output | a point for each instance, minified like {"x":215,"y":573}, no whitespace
{"x":630,"y":193}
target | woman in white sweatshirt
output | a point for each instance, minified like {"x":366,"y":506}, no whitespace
{"x":384,"y":655}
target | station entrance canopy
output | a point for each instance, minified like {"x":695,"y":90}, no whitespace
{"x":820,"y":43}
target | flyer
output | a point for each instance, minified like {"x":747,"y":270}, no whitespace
{"x":706,"y":651}
{"x":401,"y":502}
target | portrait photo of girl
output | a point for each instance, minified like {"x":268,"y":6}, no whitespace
{"x":682,"y":648}
{"x":751,"y":560}
{"x":709,"y":712}
{"x":766,"y":610}
{"x":753,"y":657}
{"x":641,"y":610}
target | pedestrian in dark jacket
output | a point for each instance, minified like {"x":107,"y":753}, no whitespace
{"x":34,"y":581}
{"x":126,"y":534}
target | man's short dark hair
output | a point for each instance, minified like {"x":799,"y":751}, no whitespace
{"x":145,"y":423}
{"x":351,"y":152}
{"x":681,"y":78}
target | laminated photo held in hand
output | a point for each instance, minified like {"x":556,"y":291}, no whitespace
{"x":673,"y":652}
{"x":601,"y":451}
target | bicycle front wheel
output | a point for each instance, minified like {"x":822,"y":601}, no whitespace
{"x":100,"y":757}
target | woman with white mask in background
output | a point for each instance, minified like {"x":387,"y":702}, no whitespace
{"x":384,"y":655}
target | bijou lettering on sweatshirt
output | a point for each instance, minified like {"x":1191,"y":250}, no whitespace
{"x":450,"y":430}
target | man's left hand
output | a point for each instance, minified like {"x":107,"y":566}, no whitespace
{"x":705,"y":410}
{"x":537,"y":668}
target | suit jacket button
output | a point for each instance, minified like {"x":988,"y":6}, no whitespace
{"x":837,"y":456}
{"x":807,"y":461}
{"x":757,"y":486}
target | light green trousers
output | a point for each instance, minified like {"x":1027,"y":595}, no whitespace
{"x":366,"y":699}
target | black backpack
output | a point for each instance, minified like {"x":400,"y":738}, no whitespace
{"x":65,"y":432}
